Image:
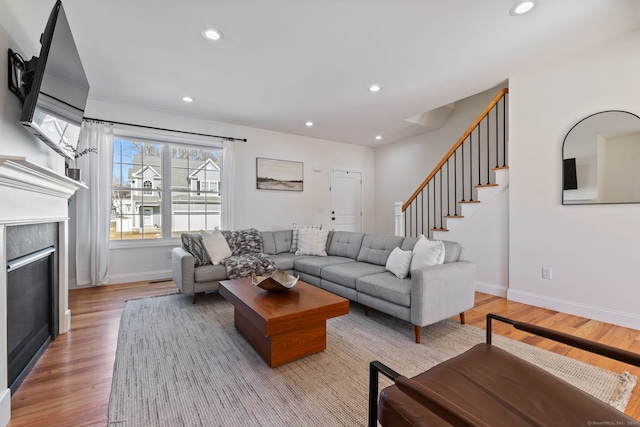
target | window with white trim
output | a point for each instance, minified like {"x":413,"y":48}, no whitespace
{"x":163,"y":189}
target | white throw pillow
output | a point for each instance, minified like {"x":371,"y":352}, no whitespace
{"x":295,"y":234}
{"x":399,"y":262}
{"x":312,"y":241}
{"x":216,"y":246}
{"x":427,"y":253}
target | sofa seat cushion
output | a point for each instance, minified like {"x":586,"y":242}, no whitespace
{"x":386,"y":286}
{"x":210,"y":273}
{"x":346,"y":274}
{"x":314,"y":264}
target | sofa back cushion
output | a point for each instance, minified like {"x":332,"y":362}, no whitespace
{"x":276,"y":242}
{"x":282,"y":240}
{"x":345,"y":244}
{"x":408,"y":243}
{"x":452,"y":250}
{"x":244,"y":242}
{"x":268,"y":242}
{"x":375,"y":249}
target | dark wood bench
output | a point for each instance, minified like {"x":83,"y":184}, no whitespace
{"x":487,"y":386}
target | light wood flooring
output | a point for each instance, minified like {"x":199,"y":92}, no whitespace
{"x":71,"y":382}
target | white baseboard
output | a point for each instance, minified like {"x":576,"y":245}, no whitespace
{"x":140,"y":277}
{"x":67,"y":320}
{"x":144,"y":276}
{"x":492,"y":289}
{"x":628,"y":320}
{"x":5,"y":407}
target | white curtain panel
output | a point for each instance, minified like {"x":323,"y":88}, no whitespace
{"x":93,"y":205}
{"x":228,"y":198}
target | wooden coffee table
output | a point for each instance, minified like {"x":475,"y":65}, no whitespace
{"x":284,"y":326}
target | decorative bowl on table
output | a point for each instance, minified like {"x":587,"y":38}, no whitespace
{"x":279,"y":281}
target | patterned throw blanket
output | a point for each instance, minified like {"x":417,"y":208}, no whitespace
{"x":246,"y":254}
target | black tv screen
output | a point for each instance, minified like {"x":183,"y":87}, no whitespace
{"x":569,"y":175}
{"x":55,"y":102}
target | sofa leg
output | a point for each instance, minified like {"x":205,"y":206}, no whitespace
{"x":417,"y":330}
{"x":196,"y":296}
{"x":366,"y":310}
{"x":462,"y":318}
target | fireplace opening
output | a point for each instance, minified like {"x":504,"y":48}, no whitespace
{"x":32,"y":296}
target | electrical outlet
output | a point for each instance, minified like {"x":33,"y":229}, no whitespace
{"x":169,"y":254}
{"x":546,"y":273}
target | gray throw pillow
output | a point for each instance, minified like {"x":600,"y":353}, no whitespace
{"x":192,"y":243}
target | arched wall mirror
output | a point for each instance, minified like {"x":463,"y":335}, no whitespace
{"x":601,"y":159}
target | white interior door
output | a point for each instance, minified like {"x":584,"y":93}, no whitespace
{"x":346,"y":201}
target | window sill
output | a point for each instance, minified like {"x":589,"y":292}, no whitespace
{"x":148,"y":243}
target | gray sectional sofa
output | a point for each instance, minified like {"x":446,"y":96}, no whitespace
{"x":355,"y":269}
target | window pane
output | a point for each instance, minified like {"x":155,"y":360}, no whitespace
{"x":192,"y":212}
{"x":121,"y":215}
{"x":150,"y":222}
{"x":137,"y":195}
{"x":195,"y":177}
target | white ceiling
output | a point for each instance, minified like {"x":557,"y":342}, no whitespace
{"x":284,"y":62}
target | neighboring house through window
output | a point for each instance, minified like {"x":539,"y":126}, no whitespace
{"x":147,"y":185}
{"x":163,"y":189}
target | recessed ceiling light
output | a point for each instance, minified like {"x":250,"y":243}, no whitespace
{"x":378,"y":137}
{"x":187,"y":99}
{"x":308,"y":124}
{"x":374,"y":88}
{"x":211,"y":34}
{"x":522,"y":7}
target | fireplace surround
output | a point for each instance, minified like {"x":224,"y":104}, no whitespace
{"x":32,"y":296}
{"x":36,"y":197}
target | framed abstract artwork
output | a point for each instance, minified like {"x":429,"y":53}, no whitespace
{"x":282,"y":175}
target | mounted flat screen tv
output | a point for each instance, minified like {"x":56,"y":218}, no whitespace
{"x":57,"y":95}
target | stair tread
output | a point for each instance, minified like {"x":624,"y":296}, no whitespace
{"x":469,"y":201}
{"x":486,"y":185}
{"x":438,"y":229}
{"x":500,"y":168}
{"x":453,"y":216}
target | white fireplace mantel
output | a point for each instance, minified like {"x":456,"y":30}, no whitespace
{"x":29,"y":194}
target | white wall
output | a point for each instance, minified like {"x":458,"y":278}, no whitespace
{"x":15,"y":141}
{"x":593,"y":250}
{"x":401,"y":167}
{"x":264,"y":210}
{"x":484,"y":235}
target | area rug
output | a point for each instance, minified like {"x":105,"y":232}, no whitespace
{"x":179,"y":364}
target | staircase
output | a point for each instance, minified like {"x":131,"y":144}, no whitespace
{"x":484,"y":195}
{"x":472,"y":173}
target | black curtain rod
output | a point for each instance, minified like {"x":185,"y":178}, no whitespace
{"x":168,"y":130}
